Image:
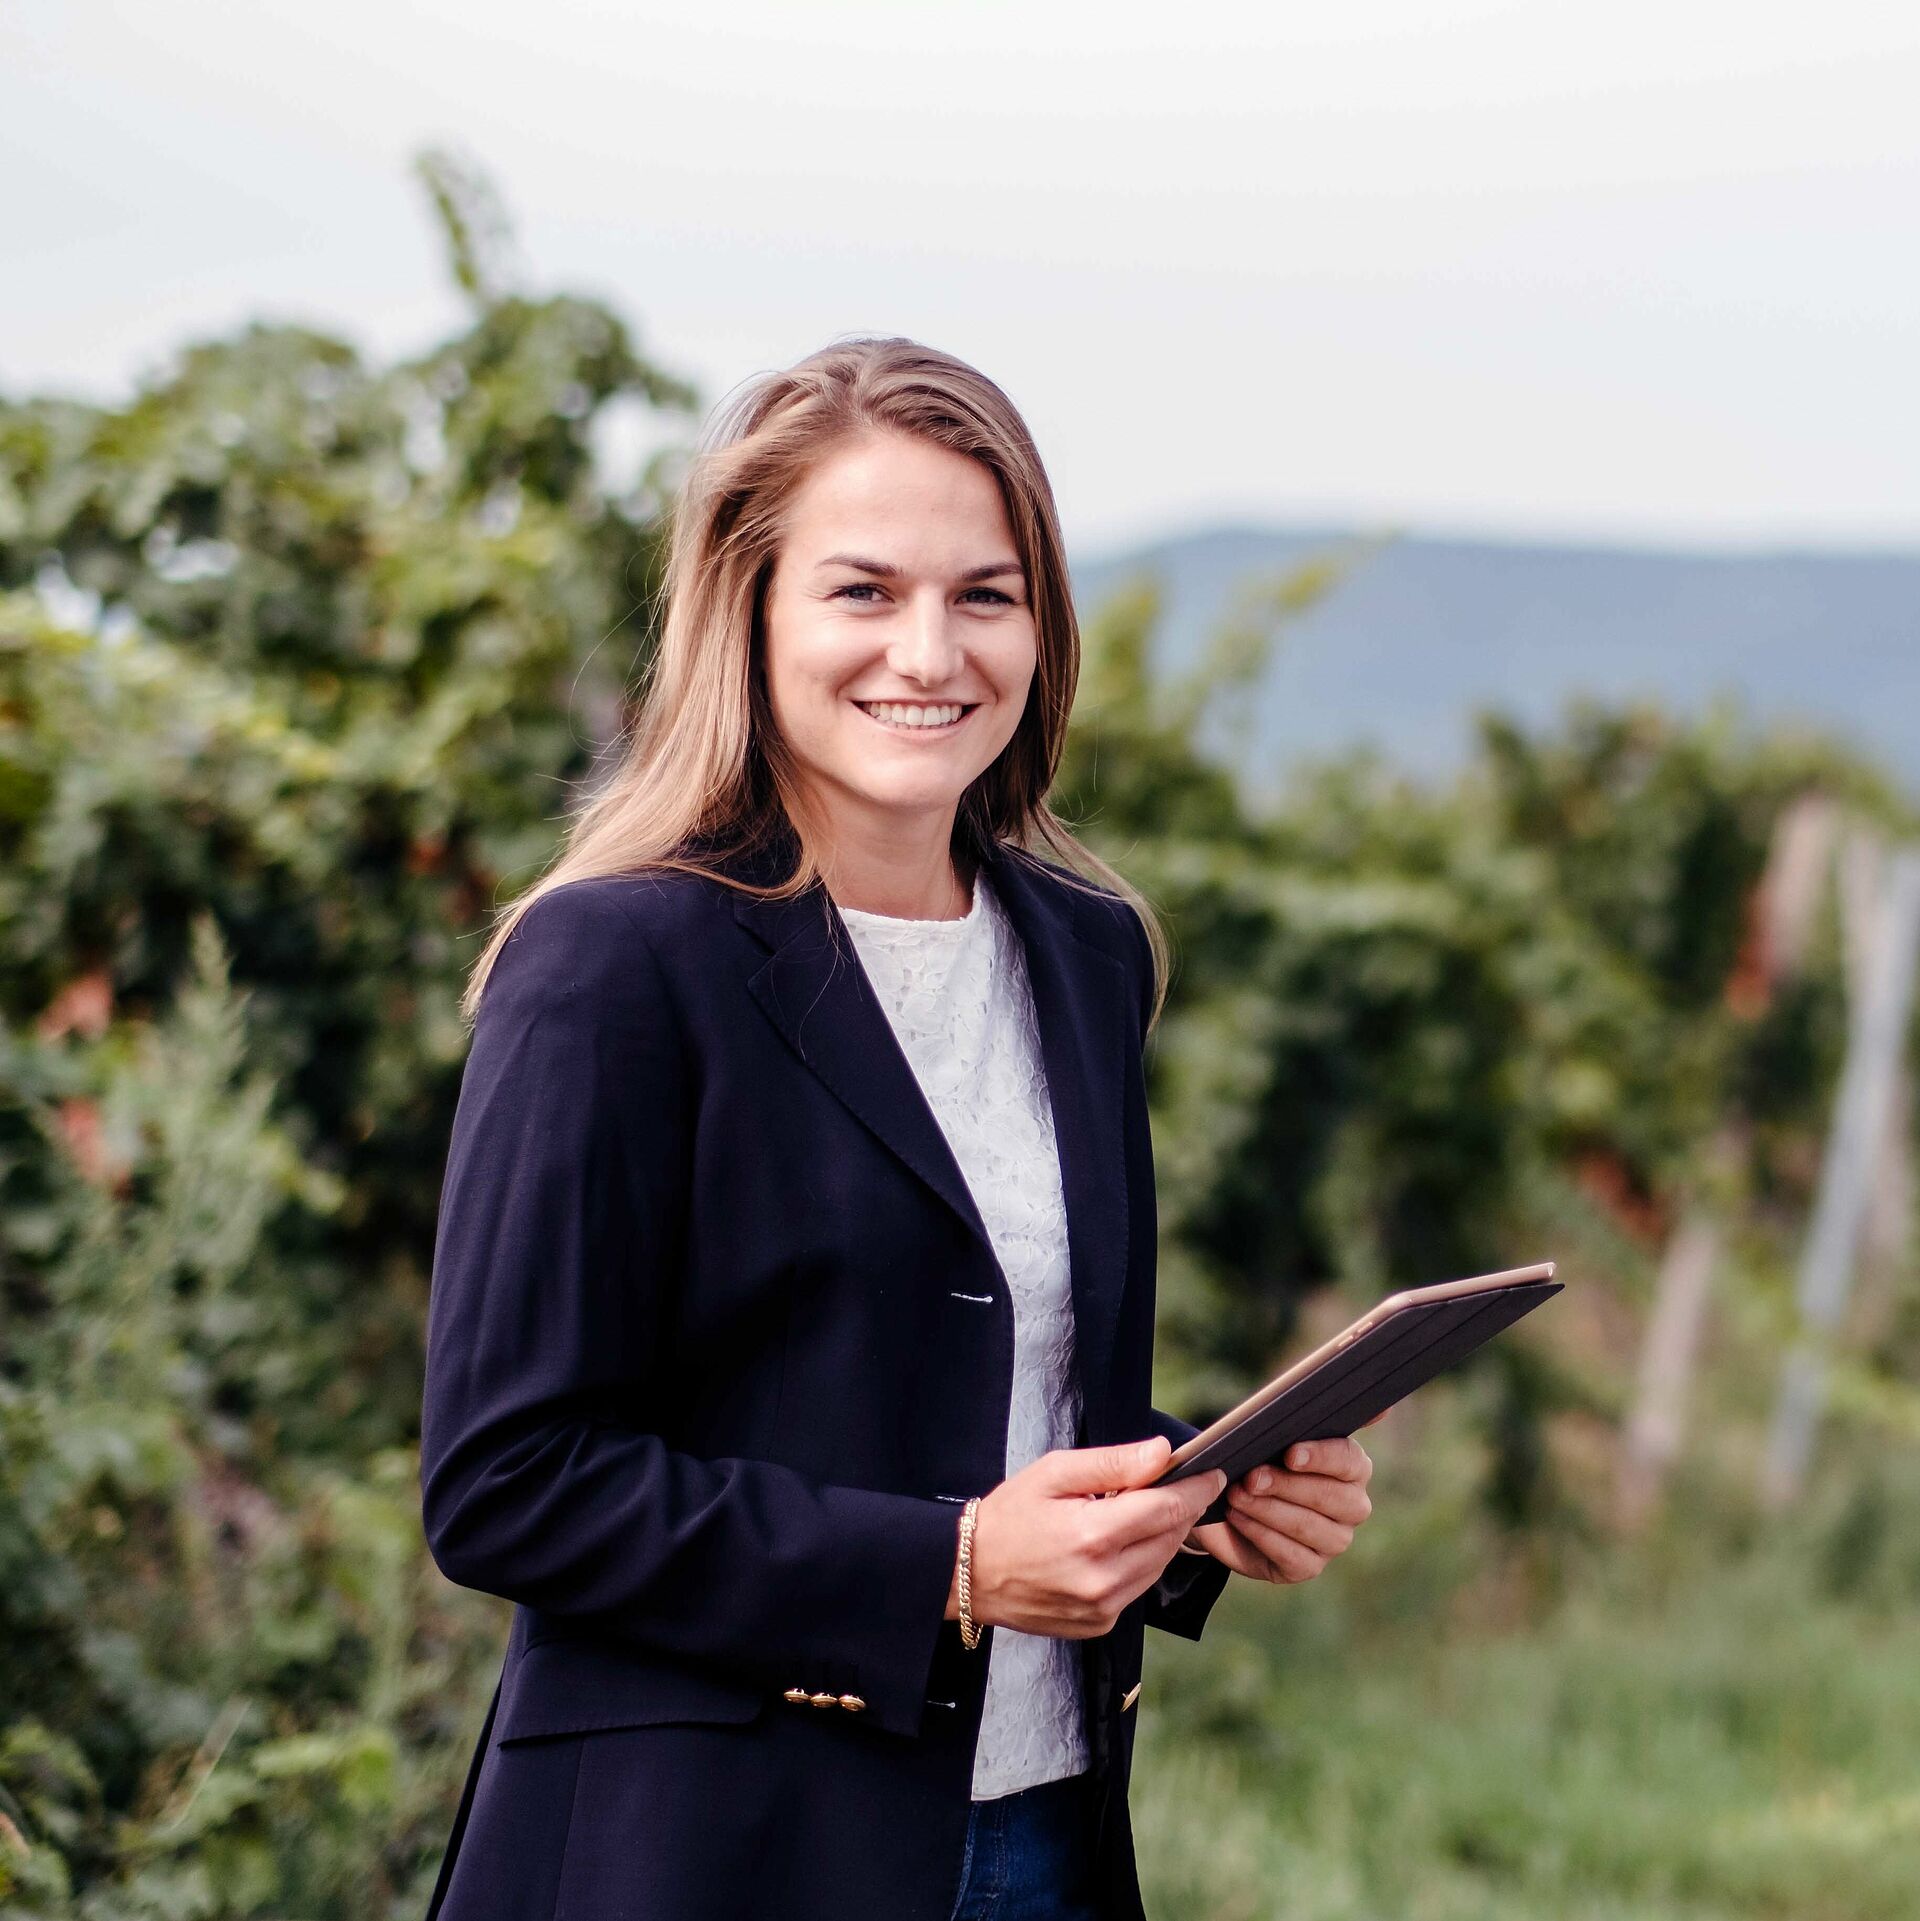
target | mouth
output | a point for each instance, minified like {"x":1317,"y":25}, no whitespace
{"x":918,"y":717}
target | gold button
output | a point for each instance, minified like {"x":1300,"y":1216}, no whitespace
{"x":1127,"y":1699}
{"x":825,"y":1700}
{"x":797,"y":1694}
{"x":852,"y":1701}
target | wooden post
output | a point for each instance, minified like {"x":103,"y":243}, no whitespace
{"x":1658,"y":1423}
{"x":1886,"y":1248}
{"x":1889,"y":1222}
{"x":1864,"y":1110}
{"x":1799,"y":859}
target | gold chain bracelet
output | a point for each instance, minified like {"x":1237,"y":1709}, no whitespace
{"x":969,"y":1627}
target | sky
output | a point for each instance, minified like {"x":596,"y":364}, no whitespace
{"x":1612,"y":273}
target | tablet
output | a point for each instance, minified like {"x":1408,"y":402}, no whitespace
{"x":1400,"y":1342}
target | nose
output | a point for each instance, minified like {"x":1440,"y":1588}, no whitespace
{"x":925,"y":646}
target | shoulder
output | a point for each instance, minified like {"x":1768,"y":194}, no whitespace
{"x":596,"y":943}
{"x":662,"y":905}
{"x":1099,"y":916}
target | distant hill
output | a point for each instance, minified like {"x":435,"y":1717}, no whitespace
{"x":1426,"y":630}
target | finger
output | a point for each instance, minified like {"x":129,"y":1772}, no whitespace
{"x":1124,"y":1574}
{"x":1293,"y":1561}
{"x":1231,"y":1547}
{"x":1343,"y":1459}
{"x":1100,"y":1470}
{"x":1344,"y":1501}
{"x":1143,"y":1563}
{"x":1324,"y":1533}
{"x":1141,"y":1514}
{"x":1204,"y":1490}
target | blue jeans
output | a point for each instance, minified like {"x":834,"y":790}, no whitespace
{"x":1030,"y":1855}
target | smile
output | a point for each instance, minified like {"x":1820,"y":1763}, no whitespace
{"x":910,"y":717}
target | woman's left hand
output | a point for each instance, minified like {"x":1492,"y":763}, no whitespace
{"x":1286,"y":1523}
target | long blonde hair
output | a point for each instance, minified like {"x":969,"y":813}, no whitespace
{"x":703,"y":760}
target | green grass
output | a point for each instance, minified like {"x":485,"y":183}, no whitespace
{"x":1722,"y":1744}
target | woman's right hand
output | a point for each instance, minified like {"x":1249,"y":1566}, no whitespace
{"x":1051,"y":1556}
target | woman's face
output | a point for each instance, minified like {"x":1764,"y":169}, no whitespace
{"x":899,"y":633}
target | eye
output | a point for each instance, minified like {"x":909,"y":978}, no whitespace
{"x":856,"y":590}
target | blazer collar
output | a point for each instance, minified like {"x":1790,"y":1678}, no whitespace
{"x":815,"y":991}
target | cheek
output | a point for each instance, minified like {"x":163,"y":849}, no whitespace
{"x":1014,"y":674}
{"x":804,"y":670}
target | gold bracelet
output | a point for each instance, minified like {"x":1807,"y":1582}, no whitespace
{"x":969,"y":1627}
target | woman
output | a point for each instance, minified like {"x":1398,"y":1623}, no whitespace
{"x":793,"y":1296}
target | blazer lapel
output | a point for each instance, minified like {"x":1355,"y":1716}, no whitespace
{"x":814,"y":990}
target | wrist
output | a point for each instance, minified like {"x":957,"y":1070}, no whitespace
{"x":970,"y":1624}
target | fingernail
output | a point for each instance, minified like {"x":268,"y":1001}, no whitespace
{"x":1301,"y":1456}
{"x":1263,"y":1480}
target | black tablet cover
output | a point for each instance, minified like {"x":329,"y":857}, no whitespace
{"x":1401,"y":1351}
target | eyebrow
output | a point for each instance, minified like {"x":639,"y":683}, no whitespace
{"x":988,"y":570}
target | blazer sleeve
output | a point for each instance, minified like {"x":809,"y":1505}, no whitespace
{"x":1189,"y":1584}
{"x":1183,"y":1597}
{"x":561,"y":1218}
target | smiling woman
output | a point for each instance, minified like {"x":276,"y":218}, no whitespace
{"x":896,"y":674}
{"x":790,"y":1347}
{"x":868,"y":532}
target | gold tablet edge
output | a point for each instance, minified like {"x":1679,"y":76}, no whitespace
{"x":1387,"y":1304}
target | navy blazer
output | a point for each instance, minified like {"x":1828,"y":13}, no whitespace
{"x":717,"y":1348}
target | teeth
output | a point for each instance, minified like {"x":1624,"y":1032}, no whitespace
{"x":901,"y":714}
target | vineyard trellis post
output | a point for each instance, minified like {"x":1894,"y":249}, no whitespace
{"x":1885,"y":918}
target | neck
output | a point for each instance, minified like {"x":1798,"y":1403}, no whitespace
{"x":904,"y":868}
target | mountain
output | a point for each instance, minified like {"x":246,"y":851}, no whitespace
{"x":1424,"y":630}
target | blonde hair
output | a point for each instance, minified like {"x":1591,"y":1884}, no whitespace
{"x":703,"y":760}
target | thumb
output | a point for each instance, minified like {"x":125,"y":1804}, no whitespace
{"x":1102,"y":1470}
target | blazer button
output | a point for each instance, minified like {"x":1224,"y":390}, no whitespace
{"x":825,"y":1700}
{"x":852,"y":1701}
{"x":797,"y":1694}
{"x":1132,"y":1694}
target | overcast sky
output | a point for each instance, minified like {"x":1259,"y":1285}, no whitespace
{"x":1599,"y":271}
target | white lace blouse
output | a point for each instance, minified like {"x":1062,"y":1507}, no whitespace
{"x":957,"y":994}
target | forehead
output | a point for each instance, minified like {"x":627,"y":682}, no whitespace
{"x":899,"y":498}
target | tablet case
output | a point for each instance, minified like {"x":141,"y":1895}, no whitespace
{"x":1406,"y":1346}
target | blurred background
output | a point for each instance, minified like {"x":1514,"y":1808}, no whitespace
{"x":1486,"y":440}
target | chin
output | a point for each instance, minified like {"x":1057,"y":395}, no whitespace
{"x":913,"y":800}
{"x":874,"y":789}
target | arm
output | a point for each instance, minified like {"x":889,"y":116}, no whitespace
{"x":560,"y":1229}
